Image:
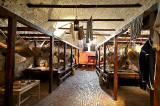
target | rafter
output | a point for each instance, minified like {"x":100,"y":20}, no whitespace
{"x":85,"y":20}
{"x":18,"y":29}
{"x":92,"y":29}
{"x":30,"y":5}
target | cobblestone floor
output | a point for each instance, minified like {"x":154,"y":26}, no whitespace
{"x":83,"y":89}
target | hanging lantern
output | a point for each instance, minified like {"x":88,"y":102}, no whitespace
{"x":76,"y":25}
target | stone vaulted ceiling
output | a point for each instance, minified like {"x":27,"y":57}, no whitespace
{"x":40,"y":16}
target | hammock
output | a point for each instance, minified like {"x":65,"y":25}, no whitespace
{"x":72,"y":32}
{"x":136,"y":26}
{"x":89,"y":34}
{"x":80,"y":33}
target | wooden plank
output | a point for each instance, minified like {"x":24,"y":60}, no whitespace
{"x":127,"y":40}
{"x":84,"y":6}
{"x":50,"y":65}
{"x":65,"y":47}
{"x":96,"y":57}
{"x":78,"y":56}
{"x":104,"y":58}
{"x":92,"y":29}
{"x":40,"y":39}
{"x":59,"y":45}
{"x":157,"y":80}
{"x":33,"y":35}
{"x":19,"y":29}
{"x":115,"y":68}
{"x":10,"y":62}
{"x":75,"y":55}
{"x":93,"y":34}
{"x":85,"y":20}
{"x":99,"y":57}
{"x":127,"y":35}
{"x":121,"y":35}
{"x":120,"y":42}
{"x":71,"y":56}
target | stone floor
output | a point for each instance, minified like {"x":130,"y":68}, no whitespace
{"x":83,"y":89}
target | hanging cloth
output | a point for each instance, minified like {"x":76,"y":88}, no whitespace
{"x":72,"y":32}
{"x":156,"y":34}
{"x":80,"y":33}
{"x":89,"y":35}
{"x":91,"y":32}
{"x":136,"y":27}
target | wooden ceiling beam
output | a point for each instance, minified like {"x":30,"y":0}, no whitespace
{"x":112,"y":43}
{"x":85,"y":20}
{"x":92,"y":29}
{"x":33,"y":35}
{"x":43,"y":39}
{"x":127,"y":40}
{"x":122,"y":35}
{"x":127,"y":35}
{"x":30,"y":5}
{"x":94,"y":34}
{"x":18,"y":29}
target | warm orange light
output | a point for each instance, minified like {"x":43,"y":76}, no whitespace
{"x":83,"y":59}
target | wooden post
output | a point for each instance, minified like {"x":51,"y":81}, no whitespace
{"x":35,"y":58}
{"x":10,"y":62}
{"x":78,"y":56}
{"x":65,"y":46}
{"x":115,"y":68}
{"x":75,"y":55}
{"x":152,"y":18}
{"x":157,"y":80}
{"x":71,"y":55}
{"x":96,"y":57}
{"x":58,"y":51}
{"x":50,"y":64}
{"x":99,"y":57}
{"x":104,"y":58}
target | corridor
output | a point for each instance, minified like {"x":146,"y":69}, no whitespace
{"x":83,"y":89}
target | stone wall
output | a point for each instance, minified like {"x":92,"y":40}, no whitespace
{"x":21,"y":63}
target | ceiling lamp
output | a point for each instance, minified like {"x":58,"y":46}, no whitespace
{"x":76,"y":25}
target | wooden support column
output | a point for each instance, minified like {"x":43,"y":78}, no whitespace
{"x":157,"y":80}
{"x":75,"y":56}
{"x":99,"y":57}
{"x":96,"y":57}
{"x":152,"y":18}
{"x":104,"y":58}
{"x":58,"y":52}
{"x":35,"y":58}
{"x":51,"y":64}
{"x":65,"y":46}
{"x":10,"y":62}
{"x":78,"y":56}
{"x":115,"y":68}
{"x":71,"y":55}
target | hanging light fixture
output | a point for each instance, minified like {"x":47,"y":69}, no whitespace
{"x":76,"y":25}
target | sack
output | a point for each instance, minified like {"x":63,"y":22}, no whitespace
{"x":80,"y":33}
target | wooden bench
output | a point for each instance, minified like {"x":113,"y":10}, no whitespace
{"x":24,"y":88}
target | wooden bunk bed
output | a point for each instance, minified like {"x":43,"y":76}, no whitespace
{"x":12,"y":30}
